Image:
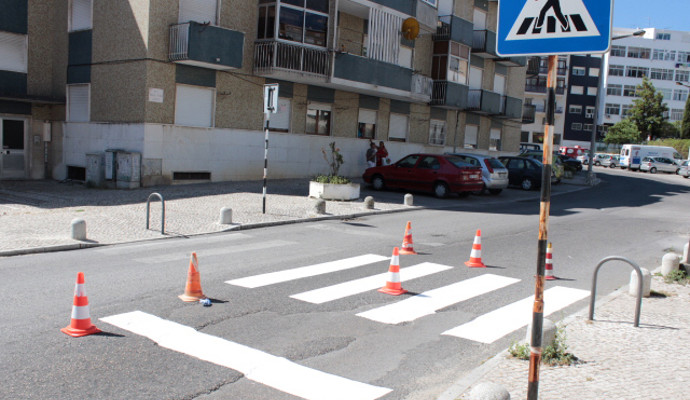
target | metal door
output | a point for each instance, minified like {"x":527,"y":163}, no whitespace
{"x":12,"y":143}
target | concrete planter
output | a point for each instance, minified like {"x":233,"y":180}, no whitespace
{"x":333,"y":191}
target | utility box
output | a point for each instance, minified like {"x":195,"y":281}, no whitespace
{"x":127,"y":170}
{"x":94,"y":170}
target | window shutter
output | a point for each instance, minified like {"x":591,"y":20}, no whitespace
{"x":78,"y":103}
{"x":398,"y":127}
{"x":471,"y":136}
{"x":199,"y":11}
{"x":13,"y":52}
{"x":81,"y":15}
{"x":367,"y":116}
{"x":194,"y":106}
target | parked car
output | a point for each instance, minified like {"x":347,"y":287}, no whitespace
{"x":599,"y":157}
{"x":556,"y":164}
{"x":494,"y":173}
{"x":439,"y":174}
{"x":570,"y":164}
{"x":612,"y":161}
{"x":653,"y":164}
{"x":524,"y":172}
{"x":683,"y":170}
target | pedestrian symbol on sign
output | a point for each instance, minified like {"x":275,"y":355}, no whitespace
{"x":548,"y":19}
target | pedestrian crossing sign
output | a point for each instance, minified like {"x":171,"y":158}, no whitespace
{"x":550,"y":27}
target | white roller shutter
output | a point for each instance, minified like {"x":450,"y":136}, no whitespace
{"x":476,"y":78}
{"x":397,"y":129}
{"x":81,"y":15}
{"x":78,"y":103}
{"x":199,"y":11}
{"x":500,"y":84}
{"x":471,"y":136}
{"x":194,"y":106}
{"x":13,"y":52}
{"x":281,"y":119}
{"x":367,"y":116}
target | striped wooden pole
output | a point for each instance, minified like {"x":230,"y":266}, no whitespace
{"x":545,"y":207}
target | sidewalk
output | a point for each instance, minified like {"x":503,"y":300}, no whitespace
{"x":619,"y":360}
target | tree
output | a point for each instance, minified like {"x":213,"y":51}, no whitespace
{"x":648,"y":111}
{"x":623,"y":132}
{"x":685,"y":124}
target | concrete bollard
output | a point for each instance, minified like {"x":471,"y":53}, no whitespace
{"x":78,"y":229}
{"x":548,"y":333}
{"x":226,"y":215}
{"x":319,"y":206}
{"x":669,"y":263}
{"x":369,"y":203}
{"x":685,"y":253}
{"x":646,"y":283}
{"x":408,"y":200}
{"x":489,"y":391}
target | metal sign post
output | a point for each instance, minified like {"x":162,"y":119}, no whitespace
{"x":270,"y":106}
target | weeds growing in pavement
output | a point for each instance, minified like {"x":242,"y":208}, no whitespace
{"x":678,"y":276}
{"x":554,"y":354}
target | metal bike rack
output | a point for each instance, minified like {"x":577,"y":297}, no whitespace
{"x":148,"y":203}
{"x":639,"y":287}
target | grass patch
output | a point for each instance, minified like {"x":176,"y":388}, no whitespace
{"x":555,"y":354}
{"x":678,"y":276}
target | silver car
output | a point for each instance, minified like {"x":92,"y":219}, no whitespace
{"x":611,"y":161}
{"x":494,"y":173}
{"x":683,"y":170}
{"x":653,"y":164}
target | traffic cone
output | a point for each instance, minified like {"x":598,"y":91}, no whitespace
{"x":393,"y":286}
{"x":549,"y":265}
{"x":407,"y":241}
{"x":192,"y":291}
{"x":475,"y":260}
{"x":80,"y":324}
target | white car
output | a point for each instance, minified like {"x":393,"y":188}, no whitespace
{"x":494,"y":173}
{"x":653,"y":164}
{"x":683,"y":170}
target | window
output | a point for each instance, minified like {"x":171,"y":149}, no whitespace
{"x":662,"y":74}
{"x":495,"y":139}
{"x":616,"y":70}
{"x":638,"y":52}
{"x":683,"y":56}
{"x":437,"y":132}
{"x":398,"y":127}
{"x":663,"y":36}
{"x":458,"y":63}
{"x":637,"y":72}
{"x":202,"y":11}
{"x":194,"y":105}
{"x":479,"y":20}
{"x":577,"y":89}
{"x":587,"y":127}
{"x":78,"y":103}
{"x":612,"y":109}
{"x":304,"y":21}
{"x":432,"y":3}
{"x":629,"y":90}
{"x":476,"y":77}
{"x":576,"y":126}
{"x":625,"y":109}
{"x":80,"y":15}
{"x":676,"y":114}
{"x":366,"y":127}
{"x":579,"y":71}
{"x":318,"y":119}
{"x":664,"y":55}
{"x":280,"y":121}
{"x":471,"y":136}
{"x":667,"y":93}
{"x":589,"y":112}
{"x":617,"y":51}
{"x":591,"y":91}
{"x":267,"y":21}
{"x":614,"y":90}
{"x":573,"y":109}
{"x":13,"y":52}
{"x":680,"y":94}
{"x":682,"y":76}
{"x":594,"y":72}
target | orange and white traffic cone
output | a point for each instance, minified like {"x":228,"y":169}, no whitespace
{"x":475,"y":260}
{"x":192,"y":291}
{"x":393,"y":285}
{"x":548,"y":272}
{"x":81,"y":320}
{"x":407,"y":241}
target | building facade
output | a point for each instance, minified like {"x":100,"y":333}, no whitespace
{"x":581,"y":100}
{"x":171,"y":91}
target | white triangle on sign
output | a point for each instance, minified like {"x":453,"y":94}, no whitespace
{"x":578,"y":22}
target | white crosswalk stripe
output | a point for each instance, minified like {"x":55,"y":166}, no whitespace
{"x":494,"y":325}
{"x":430,"y":301}
{"x":305,"y":272}
{"x":256,"y":365}
{"x":362,"y":285}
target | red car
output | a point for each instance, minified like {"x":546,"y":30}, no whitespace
{"x":440,"y":174}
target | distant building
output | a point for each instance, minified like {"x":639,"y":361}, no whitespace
{"x":536,"y":99}
{"x":583,"y":83}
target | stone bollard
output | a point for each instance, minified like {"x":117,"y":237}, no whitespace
{"x":408,"y":200}
{"x":369,"y":203}
{"x":548,"y":333}
{"x":78,"y":229}
{"x":685,"y":253}
{"x":226,"y":215}
{"x":319,"y":206}
{"x":489,"y":391}
{"x":669,"y":263}
{"x":646,"y":283}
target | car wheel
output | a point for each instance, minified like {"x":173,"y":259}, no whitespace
{"x":598,"y":164}
{"x":612,"y":165}
{"x":440,"y":190}
{"x":652,"y":170}
{"x":686,"y":176}
{"x":526,"y":184}
{"x":678,"y":171}
{"x":498,"y":191}
{"x":377,"y":182}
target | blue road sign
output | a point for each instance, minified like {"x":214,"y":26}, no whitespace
{"x":549,"y":27}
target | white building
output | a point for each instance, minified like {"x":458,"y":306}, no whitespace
{"x":661,"y":55}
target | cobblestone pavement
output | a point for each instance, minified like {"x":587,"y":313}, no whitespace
{"x":619,"y":361}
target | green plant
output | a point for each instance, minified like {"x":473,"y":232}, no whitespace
{"x":554,"y":354}
{"x":334,"y":158}
{"x":338,"y":180}
{"x":677,"y":276}
{"x":519,"y":350}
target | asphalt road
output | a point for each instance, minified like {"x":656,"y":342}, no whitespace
{"x":631,"y":214}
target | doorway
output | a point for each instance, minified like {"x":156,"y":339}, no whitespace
{"x":13,"y":144}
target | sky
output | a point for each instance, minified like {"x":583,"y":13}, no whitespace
{"x":662,"y":14}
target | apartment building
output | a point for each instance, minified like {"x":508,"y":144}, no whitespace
{"x":536,"y":99}
{"x":581,"y":100}
{"x":171,"y":91}
{"x":661,"y":55}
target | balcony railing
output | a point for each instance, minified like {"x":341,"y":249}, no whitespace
{"x":422,"y":85}
{"x":528,"y":113}
{"x":542,"y":89}
{"x":542,"y":108}
{"x":270,"y":57}
{"x":179,"y":42}
{"x":561,"y":71}
{"x":204,"y":46}
{"x":443,"y":28}
{"x":484,"y":42}
{"x":450,"y":95}
{"x":483,"y":101}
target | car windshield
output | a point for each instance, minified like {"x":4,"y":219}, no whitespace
{"x":495,"y":163}
{"x":457,"y":161}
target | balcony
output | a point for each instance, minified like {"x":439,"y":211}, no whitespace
{"x":542,"y":89}
{"x":454,"y":28}
{"x":542,"y":108}
{"x":449,"y":95}
{"x":528,"y":113}
{"x":484,"y":44}
{"x":484,"y":102}
{"x":424,"y":13}
{"x":560,"y":71}
{"x":510,"y":108}
{"x":204,"y":46}
{"x":291,"y":62}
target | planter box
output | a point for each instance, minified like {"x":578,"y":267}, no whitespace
{"x":332,"y":191}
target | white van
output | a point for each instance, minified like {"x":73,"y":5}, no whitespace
{"x":632,"y":154}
